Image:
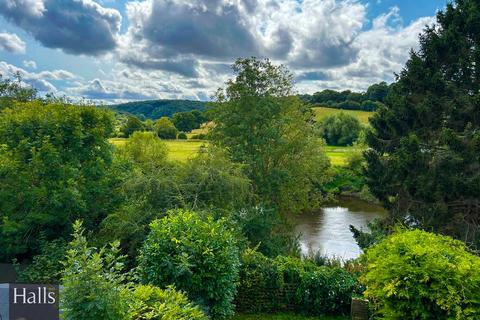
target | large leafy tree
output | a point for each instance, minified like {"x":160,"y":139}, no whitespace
{"x":55,"y":167}
{"x":263,"y":126}
{"x":423,"y":161}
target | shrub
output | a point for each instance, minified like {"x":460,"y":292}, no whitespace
{"x":420,"y":275}
{"x":146,"y":150}
{"x":45,"y":267}
{"x":287,"y":283}
{"x":182,"y":136}
{"x":166,"y":129}
{"x":340,"y":129}
{"x":152,"y":303}
{"x":198,"y":256}
{"x":93,"y":281}
{"x":325,"y":290}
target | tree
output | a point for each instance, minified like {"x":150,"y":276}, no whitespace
{"x":12,"y":89}
{"x":263,"y":126}
{"x":378,"y":91}
{"x":166,"y":129}
{"x":133,"y":124}
{"x":55,"y":166}
{"x":423,"y":161}
{"x":340,"y":129}
{"x":185,"y":121}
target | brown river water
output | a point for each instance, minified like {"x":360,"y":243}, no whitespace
{"x":327,"y":230}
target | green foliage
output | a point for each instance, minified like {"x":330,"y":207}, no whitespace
{"x":152,"y":303}
{"x":420,"y":275}
{"x":377,"y":232}
{"x":326,"y":290}
{"x":198,"y":256}
{"x":211,"y":180}
{"x":187,"y":121}
{"x":340,"y":129}
{"x":132,"y":125}
{"x":266,"y":230}
{"x":287,"y":283}
{"x":55,"y":166}
{"x":264,"y":127}
{"x":155,"y":109}
{"x":165,"y":128}
{"x":12,"y":90}
{"x":423,"y":161}
{"x":46,"y":267}
{"x":378,"y":92}
{"x":146,"y":150}
{"x":182,"y":136}
{"x":208,"y":181}
{"x":93,"y":281}
{"x":370,"y":100}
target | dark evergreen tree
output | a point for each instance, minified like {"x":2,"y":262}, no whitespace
{"x":423,"y":161}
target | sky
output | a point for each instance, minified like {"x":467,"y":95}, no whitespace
{"x":113,"y":51}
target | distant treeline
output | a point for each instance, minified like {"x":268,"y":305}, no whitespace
{"x":369,"y":100}
{"x":155,"y":109}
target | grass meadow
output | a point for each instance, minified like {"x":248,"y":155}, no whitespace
{"x":323,"y":112}
{"x":182,"y":150}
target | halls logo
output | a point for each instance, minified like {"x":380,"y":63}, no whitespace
{"x":29,"y":302}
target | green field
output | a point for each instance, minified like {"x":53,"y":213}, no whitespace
{"x":338,"y":155}
{"x":181,"y":150}
{"x":323,"y":112}
{"x":283,"y":316}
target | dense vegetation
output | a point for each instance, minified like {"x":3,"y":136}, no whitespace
{"x":419,"y":275}
{"x":340,"y":129}
{"x":155,"y":109}
{"x":423,"y":161}
{"x":256,"y":109}
{"x":207,"y":236}
{"x":370,"y":100}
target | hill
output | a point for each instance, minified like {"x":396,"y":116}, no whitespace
{"x":154,"y":109}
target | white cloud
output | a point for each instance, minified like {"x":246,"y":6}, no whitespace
{"x":12,"y":43}
{"x":30,"y":64}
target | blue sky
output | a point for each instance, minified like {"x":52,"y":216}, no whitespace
{"x":114,"y":51}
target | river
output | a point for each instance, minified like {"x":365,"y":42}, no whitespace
{"x":327,"y":230}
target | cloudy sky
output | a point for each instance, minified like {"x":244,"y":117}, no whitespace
{"x":121,"y":50}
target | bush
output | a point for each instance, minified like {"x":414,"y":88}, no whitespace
{"x":340,"y":129}
{"x":166,"y":129}
{"x":152,"y":303}
{"x":182,"y":136}
{"x":146,"y":150}
{"x":326,"y":290}
{"x":93,"y":281}
{"x":420,"y":275}
{"x":286,"y":284}
{"x":198,"y":256}
{"x":45,"y":267}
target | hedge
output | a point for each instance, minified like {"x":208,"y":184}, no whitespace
{"x":290,"y":284}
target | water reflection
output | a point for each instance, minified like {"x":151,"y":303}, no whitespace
{"x":328,"y":231}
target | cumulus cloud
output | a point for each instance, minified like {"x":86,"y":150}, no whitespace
{"x":75,"y":26}
{"x":30,"y":64}
{"x":184,"y":48}
{"x":42,"y":81}
{"x":12,"y":43}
